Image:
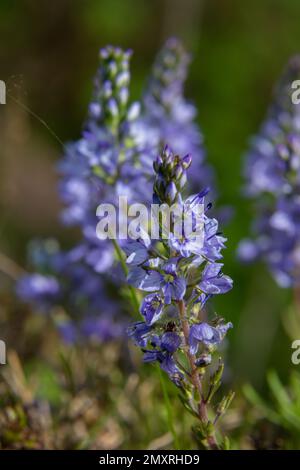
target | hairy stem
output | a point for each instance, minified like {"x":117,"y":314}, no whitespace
{"x":195,"y":378}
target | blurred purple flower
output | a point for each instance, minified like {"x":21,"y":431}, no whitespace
{"x":272,"y":173}
{"x":39,"y":289}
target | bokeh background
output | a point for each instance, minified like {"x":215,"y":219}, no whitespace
{"x":48,"y":56}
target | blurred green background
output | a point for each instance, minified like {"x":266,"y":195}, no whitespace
{"x":48,"y":56}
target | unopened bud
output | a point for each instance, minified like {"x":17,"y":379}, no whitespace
{"x":112,"y":107}
{"x":186,"y":161}
{"x":171,"y":192}
{"x":182,"y":180}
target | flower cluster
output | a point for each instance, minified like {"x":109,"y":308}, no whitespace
{"x":273,"y":180}
{"x":102,"y":163}
{"x":166,"y":116}
{"x":97,"y":167}
{"x":62,"y":279}
{"x":112,"y":158}
{"x":179,"y":275}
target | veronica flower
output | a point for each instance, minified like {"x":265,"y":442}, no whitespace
{"x":139,"y":332}
{"x":162,"y":347}
{"x":67,"y":280}
{"x":272,"y":174}
{"x":114,"y":156}
{"x":137,"y":251}
{"x":207,"y":335}
{"x":166,"y":362}
{"x":39,"y":289}
{"x":166,"y":115}
{"x":152,"y":308}
{"x":181,"y":274}
{"x":213,"y":281}
{"x":165,"y":346}
{"x":165,"y":278}
{"x":93,"y":169}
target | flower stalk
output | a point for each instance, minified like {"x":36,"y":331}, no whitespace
{"x":195,"y":377}
{"x":180,"y":272}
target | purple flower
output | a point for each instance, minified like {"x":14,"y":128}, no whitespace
{"x":100,"y":256}
{"x":137,"y":251}
{"x":166,"y":362}
{"x":102,"y":328}
{"x":213,"y":281}
{"x":171,"y":192}
{"x":139,"y":332}
{"x":190,"y":239}
{"x":36,"y":288}
{"x":166,"y":346}
{"x":206,"y":334}
{"x":113,"y":157}
{"x":168,"y":117}
{"x":145,"y":278}
{"x":170,"y":341}
{"x":152,"y":307}
{"x":202,"y":299}
{"x":248,"y":250}
{"x":213,"y":241}
{"x":181,"y":271}
{"x":98,"y":167}
{"x":165,"y":279}
{"x":272,"y":173}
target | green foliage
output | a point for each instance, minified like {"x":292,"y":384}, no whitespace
{"x":284,"y":409}
{"x":232,"y":75}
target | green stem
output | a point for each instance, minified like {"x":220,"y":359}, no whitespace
{"x":195,"y":378}
{"x":169,"y":409}
{"x":134,"y":299}
{"x":297,"y":299}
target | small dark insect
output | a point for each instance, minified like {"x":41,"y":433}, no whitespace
{"x":170,"y":326}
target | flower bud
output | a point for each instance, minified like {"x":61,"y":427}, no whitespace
{"x":122,"y":79}
{"x":112,"y":107}
{"x":112,"y":69}
{"x":133,"y":111}
{"x":157,"y":163}
{"x":171,"y":192}
{"x":178,"y":172}
{"x":94,"y":110}
{"x":107,"y":89}
{"x":283,"y":151}
{"x":123,"y":96}
{"x":167,"y":155}
{"x":182,"y":180}
{"x":186,"y":161}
